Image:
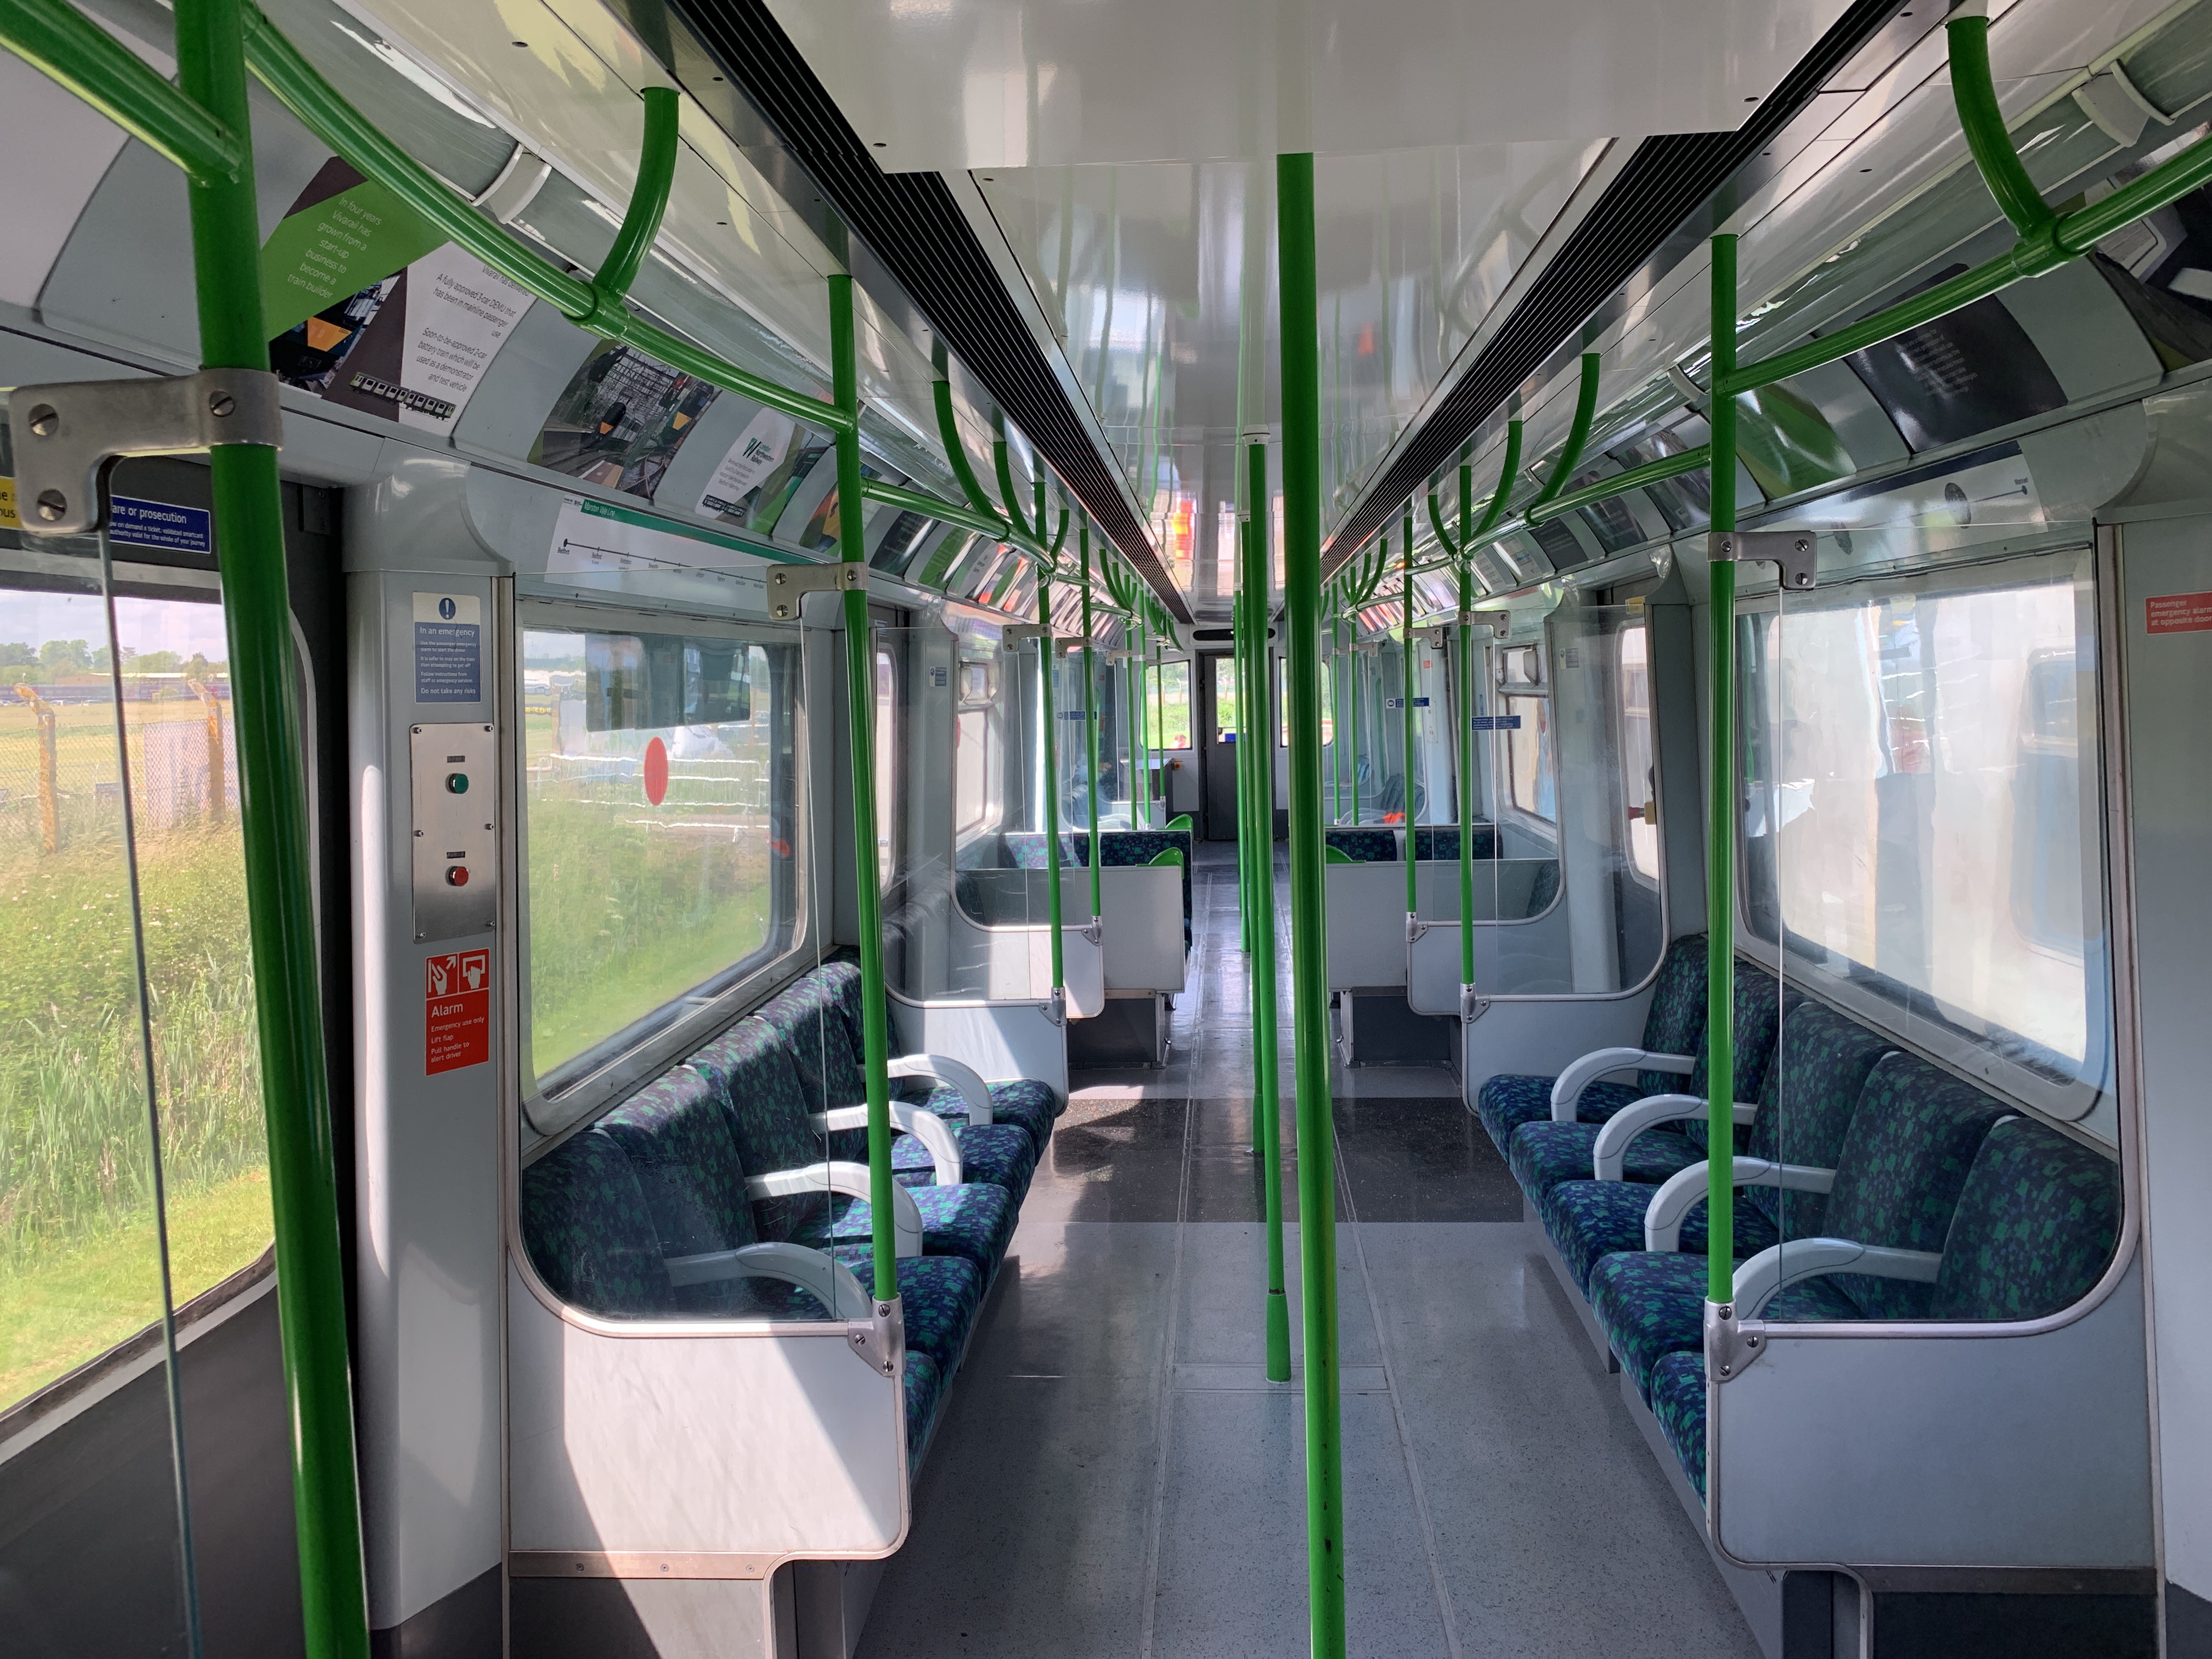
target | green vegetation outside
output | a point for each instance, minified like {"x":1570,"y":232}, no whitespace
{"x":78,"y":1271}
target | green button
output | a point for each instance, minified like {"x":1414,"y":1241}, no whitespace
{"x":457,"y":783}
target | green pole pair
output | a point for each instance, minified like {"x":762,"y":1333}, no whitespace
{"x":1407,"y":739}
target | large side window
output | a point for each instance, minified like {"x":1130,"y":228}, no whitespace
{"x":86,"y":1135}
{"x":1920,"y":820}
{"x":659,"y":809}
{"x":1640,"y":775}
{"x":1171,"y":706}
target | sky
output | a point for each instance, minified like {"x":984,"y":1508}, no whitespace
{"x":180,"y":625}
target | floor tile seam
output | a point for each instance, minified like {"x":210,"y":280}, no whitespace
{"x":1420,"y":1492}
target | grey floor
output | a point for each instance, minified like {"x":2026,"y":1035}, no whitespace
{"x":1116,"y":1476}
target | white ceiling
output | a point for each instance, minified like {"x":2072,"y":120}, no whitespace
{"x":941,"y":85}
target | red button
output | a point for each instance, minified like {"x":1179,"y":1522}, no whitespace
{"x":457,"y":875}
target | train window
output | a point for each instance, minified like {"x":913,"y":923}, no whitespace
{"x":1920,"y":766}
{"x":1531,"y":764}
{"x":80,"y":1248}
{"x":1225,"y":699}
{"x":1172,"y":700}
{"x":658,"y":808}
{"x":888,"y":750}
{"x":1639,"y":774}
{"x":1283,"y":702}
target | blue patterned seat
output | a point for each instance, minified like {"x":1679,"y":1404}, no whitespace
{"x":972,"y":1222}
{"x":925,"y":1393}
{"x":1365,"y":845}
{"x":1020,"y":1101}
{"x":1440,"y":842}
{"x":1805,"y":1105}
{"x":1543,"y":1153}
{"x":1000,"y":1155}
{"x":1673,"y":1024}
{"x":2035,"y":1226}
{"x":1899,"y":1173}
{"x":590,"y":1234}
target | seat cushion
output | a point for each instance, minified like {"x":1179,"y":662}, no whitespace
{"x":1649,"y":1304}
{"x":925,"y":1393}
{"x":999,"y":1154}
{"x":1544,"y":1153}
{"x":1031,"y":1105}
{"x":940,"y":1296}
{"x":1589,"y":1220}
{"x":972,"y":1221}
{"x":1678,"y":1400}
{"x":1510,"y":1099}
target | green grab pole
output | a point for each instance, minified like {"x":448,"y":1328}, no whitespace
{"x":1353,"y":759}
{"x":1141,"y":786}
{"x":1667,"y":466}
{"x":1721,"y":811}
{"x":860,"y":728}
{"x":1090,"y":710}
{"x":1405,"y":739}
{"x":1267,"y":1104}
{"x":648,"y":201}
{"x":296,"y":84}
{"x":1051,"y":783}
{"x":68,"y":48}
{"x":956,"y":455}
{"x":1465,"y":715}
{"x":1239,"y":652}
{"x":1004,"y":467}
{"x":1336,"y":712}
{"x":1973,"y":94}
{"x":951,"y":512}
{"x":1571,"y":454}
{"x":1301,"y":392}
{"x":249,"y":520}
{"x":1503,"y":493}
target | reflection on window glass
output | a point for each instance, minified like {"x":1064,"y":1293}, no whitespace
{"x":657,"y":795}
{"x":1921,"y":789}
{"x":1283,"y":702}
{"x":1531,"y":767}
{"x":80,"y":1255}
{"x":887,"y":754}
{"x":1170,"y":707}
{"x":1639,"y":777}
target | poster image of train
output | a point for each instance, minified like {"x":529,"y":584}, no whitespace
{"x":620,"y":420}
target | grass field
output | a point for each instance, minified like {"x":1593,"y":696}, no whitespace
{"x":78,"y":1270}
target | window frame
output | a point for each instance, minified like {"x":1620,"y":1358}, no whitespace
{"x":620,"y":1069}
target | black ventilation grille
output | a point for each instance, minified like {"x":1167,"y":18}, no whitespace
{"x":917,"y":233}
{"x":1665,"y":182}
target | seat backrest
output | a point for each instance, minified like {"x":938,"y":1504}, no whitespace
{"x":1900,"y":1169}
{"x":1758,"y":1010}
{"x":1439,"y":842}
{"x":810,"y":1015}
{"x":1819,"y":1070}
{"x":675,"y":1133}
{"x":590,"y":1233}
{"x":752,"y":1076}
{"x":1363,"y":846}
{"x":2035,"y":1225}
{"x":1676,"y":1022}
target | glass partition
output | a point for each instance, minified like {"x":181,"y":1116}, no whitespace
{"x":1565,"y":898}
{"x":967,"y":904}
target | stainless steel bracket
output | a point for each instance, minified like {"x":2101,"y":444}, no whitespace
{"x":1056,"y":1009}
{"x":1730,"y":1349}
{"x":65,"y":436}
{"x":1414,"y":927}
{"x":788,"y":584}
{"x":1790,"y":552}
{"x":1014,"y":634}
{"x":1096,"y":929}
{"x":1473,"y":1005}
{"x":881,"y":1340}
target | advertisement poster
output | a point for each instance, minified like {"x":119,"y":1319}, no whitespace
{"x":620,"y":420}
{"x":757,"y":453}
{"x":370,"y":309}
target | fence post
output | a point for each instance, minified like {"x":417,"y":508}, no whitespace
{"x":50,"y":819}
{"x":217,"y":786}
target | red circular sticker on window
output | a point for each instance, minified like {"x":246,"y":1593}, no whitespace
{"x":656,"y":771}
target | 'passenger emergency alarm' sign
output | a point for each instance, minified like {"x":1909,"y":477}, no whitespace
{"x":456,"y":1011}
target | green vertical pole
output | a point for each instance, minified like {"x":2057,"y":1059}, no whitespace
{"x":1465,"y":714}
{"x":1720,"y":808}
{"x":249,"y":518}
{"x":1051,"y":781}
{"x":1140,"y":786}
{"x":1300,"y":382}
{"x":1268,"y":1106}
{"x":1352,"y":761}
{"x":1090,"y":711}
{"x":1242,"y":770}
{"x":1406,"y":742}
{"x":1336,"y":708}
{"x":859,"y":734}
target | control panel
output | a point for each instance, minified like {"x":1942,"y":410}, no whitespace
{"x":456,"y":834}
